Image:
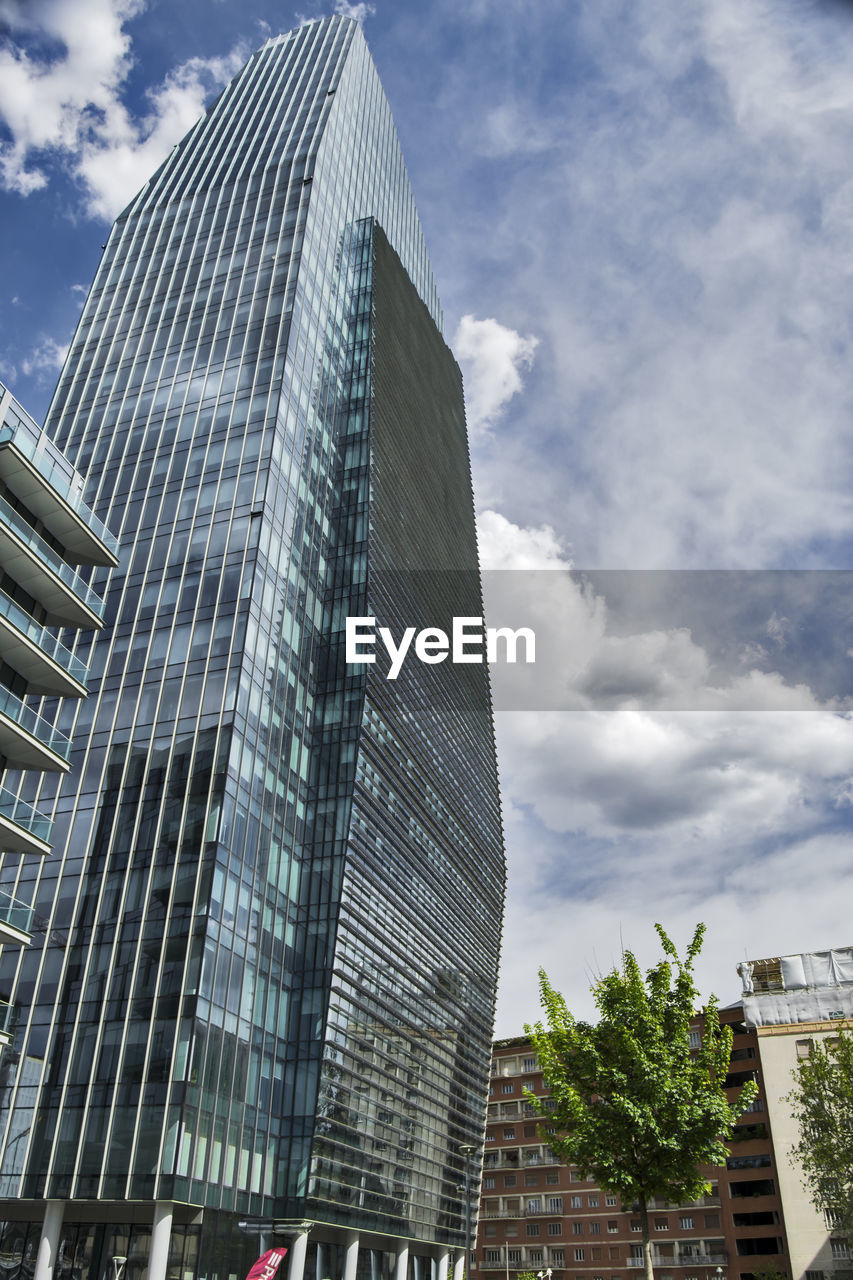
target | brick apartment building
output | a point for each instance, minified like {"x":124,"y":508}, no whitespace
{"x":537,"y":1215}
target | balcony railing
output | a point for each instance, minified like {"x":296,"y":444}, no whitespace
{"x":7,"y":1013}
{"x":42,"y":638}
{"x":34,"y":724}
{"x":15,"y":914}
{"x":61,"y":477}
{"x":683,"y":1260}
{"x":13,"y":809}
{"x":46,"y":554}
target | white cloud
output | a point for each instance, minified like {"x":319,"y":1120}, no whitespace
{"x":504,"y":545}
{"x":70,"y":106}
{"x":358,"y":11}
{"x":48,"y":356}
{"x":493,"y":358}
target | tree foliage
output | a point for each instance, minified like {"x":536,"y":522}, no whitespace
{"x":632,"y":1103}
{"x":822,"y":1105}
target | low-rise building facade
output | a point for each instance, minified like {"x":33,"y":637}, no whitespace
{"x":539,"y":1215}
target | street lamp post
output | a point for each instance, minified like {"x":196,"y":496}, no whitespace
{"x":467,"y":1151}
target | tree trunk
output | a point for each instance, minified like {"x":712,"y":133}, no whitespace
{"x":647,"y":1240}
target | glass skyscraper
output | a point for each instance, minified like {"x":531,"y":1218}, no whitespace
{"x":262,"y":1008}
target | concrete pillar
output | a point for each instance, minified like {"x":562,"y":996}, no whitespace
{"x":158,"y":1259}
{"x":351,"y":1256}
{"x":401,"y":1269}
{"x":459,"y":1265}
{"x":49,"y":1242}
{"x":442,"y":1264}
{"x":297,"y":1255}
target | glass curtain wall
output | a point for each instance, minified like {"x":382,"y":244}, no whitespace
{"x":180,"y":1017}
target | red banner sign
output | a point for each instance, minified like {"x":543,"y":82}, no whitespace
{"x":266,"y":1267}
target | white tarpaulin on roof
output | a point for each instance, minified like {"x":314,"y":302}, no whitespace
{"x":818,"y":986}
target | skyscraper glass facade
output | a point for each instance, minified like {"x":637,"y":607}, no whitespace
{"x":267,"y":987}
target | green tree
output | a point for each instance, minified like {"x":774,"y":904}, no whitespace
{"x":822,"y":1105}
{"x":631,"y":1102}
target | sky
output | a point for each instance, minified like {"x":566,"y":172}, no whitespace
{"x":640,"y":216}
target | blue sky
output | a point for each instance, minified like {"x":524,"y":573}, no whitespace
{"x":640,"y":215}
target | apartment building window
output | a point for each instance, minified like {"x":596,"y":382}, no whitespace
{"x":555,"y":1228}
{"x":533,"y":1228}
{"x":555,"y":1204}
{"x":613,"y":1250}
{"x":575,"y":1176}
{"x":593,"y":1202}
{"x":611,"y":1201}
{"x":552,"y":1179}
{"x":513,"y":1257}
{"x":558,"y":1257}
{"x":804,"y":1048}
{"x":595,"y":1228}
{"x":577,"y":1228}
{"x":529,"y":1064}
{"x":840,"y":1248}
{"x":814,"y":1275}
{"x":508,"y":1088}
{"x":695,"y":1039}
{"x":530,"y":1131}
{"x":636,"y":1225}
{"x":509,"y":1133}
{"x":491,"y":1230}
{"x":577,"y":1202}
{"x":531,"y":1179}
{"x":534,"y":1257}
{"x":596,"y":1254}
{"x":612,"y":1226}
{"x":662,"y":1224}
{"x":534,"y":1205}
{"x":748,"y":1162}
{"x":580,"y":1255}
{"x":490,"y":1183}
{"x":686,"y":1224}
{"x":490,"y":1136}
{"x":493,"y":1257}
{"x":510,"y":1179}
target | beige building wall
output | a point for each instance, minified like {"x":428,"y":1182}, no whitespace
{"x":809,"y":1240}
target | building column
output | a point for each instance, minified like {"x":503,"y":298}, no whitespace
{"x":442,"y":1264}
{"x":459,"y":1265}
{"x":401,"y":1270}
{"x":161,"y":1232}
{"x":49,"y":1242}
{"x":351,"y":1256}
{"x":297,"y":1255}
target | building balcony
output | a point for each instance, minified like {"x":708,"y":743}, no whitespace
{"x":27,"y":740}
{"x":43,"y":573}
{"x":694,"y":1260}
{"x":49,"y":486}
{"x":22,"y":828}
{"x":16,"y":920}
{"x":46,"y":665}
{"x":7,"y":1013}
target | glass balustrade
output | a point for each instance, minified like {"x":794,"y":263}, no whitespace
{"x":15,"y":914}
{"x":34,"y":724}
{"x":16,"y":810}
{"x":42,"y":638}
{"x":81,"y":589}
{"x":58,"y":473}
